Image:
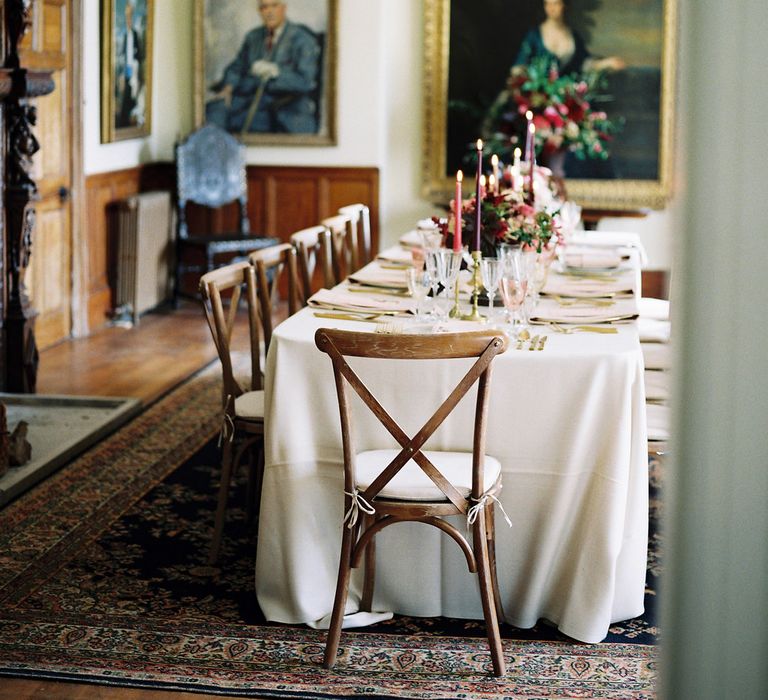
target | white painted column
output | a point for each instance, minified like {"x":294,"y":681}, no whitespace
{"x":715,"y":593}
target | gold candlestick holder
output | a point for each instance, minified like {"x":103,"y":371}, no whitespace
{"x":455,"y":311}
{"x":474,"y":315}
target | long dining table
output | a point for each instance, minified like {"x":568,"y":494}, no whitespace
{"x":568,"y":425}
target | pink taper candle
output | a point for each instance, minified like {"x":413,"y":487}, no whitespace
{"x":457,"y":213}
{"x":532,"y":159}
{"x":528,"y":140}
{"x":478,"y":195}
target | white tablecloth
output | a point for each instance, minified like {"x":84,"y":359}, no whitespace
{"x":568,"y":425}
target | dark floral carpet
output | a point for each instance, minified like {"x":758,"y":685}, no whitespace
{"x":103,"y":579}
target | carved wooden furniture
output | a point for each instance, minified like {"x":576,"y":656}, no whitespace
{"x":242,"y":425}
{"x":313,"y":250}
{"x":18,"y":84}
{"x":344,"y":255}
{"x":271,"y":265}
{"x":210,"y":171}
{"x":383,"y":487}
{"x":360,"y":216}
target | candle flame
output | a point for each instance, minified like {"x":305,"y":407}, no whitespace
{"x":532,"y":128}
{"x":494,"y":160}
{"x":482,"y":181}
{"x":518,"y":153}
{"x":459,"y":176}
{"x":491,"y":181}
{"x":529,"y":115}
{"x":479,"y":144}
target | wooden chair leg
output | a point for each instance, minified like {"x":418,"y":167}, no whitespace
{"x":221,"y":507}
{"x":340,"y":601}
{"x":486,"y":596}
{"x":366,"y":602}
{"x":490,"y":536}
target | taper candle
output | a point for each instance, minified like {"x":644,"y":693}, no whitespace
{"x":478,"y":195}
{"x":457,"y":213}
{"x":528,"y":141}
{"x":532,"y":159}
{"x":494,"y":188}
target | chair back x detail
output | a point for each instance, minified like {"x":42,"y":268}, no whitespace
{"x":380,"y":483}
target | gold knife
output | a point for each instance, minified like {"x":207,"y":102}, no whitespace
{"x":534,"y":341}
{"x":542,"y":341}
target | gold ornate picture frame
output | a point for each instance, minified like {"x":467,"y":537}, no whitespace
{"x":295,"y":103}
{"x":466,"y":65}
{"x":126,"y":69}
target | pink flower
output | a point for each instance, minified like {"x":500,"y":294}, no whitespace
{"x":554,"y":117}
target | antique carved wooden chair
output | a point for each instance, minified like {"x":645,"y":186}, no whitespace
{"x":391,"y":486}
{"x":313,"y":252}
{"x":210,"y":172}
{"x":360,"y":216}
{"x":243,"y":406}
{"x":344,"y":255}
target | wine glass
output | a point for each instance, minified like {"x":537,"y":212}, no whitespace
{"x":491,"y":270}
{"x":514,"y":285}
{"x":448,"y":266}
{"x":419,"y":284}
{"x":431,"y":263}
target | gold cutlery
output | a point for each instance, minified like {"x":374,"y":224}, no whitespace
{"x":369,"y":318}
{"x":583,"y":301}
{"x":390,"y":291}
{"x":521,"y":338}
{"x":542,"y":341}
{"x":584,"y":329}
{"x":534,"y":341}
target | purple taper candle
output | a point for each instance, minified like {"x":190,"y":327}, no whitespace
{"x":478,"y":200}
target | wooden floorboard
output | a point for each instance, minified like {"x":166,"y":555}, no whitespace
{"x":142,"y":362}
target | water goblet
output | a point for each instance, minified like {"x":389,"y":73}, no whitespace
{"x":431,"y":263}
{"x":448,"y":266}
{"x":491,"y":270}
{"x":514,"y":285}
{"x":419,"y":284}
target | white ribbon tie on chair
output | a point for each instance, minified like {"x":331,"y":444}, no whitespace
{"x":480,"y":504}
{"x":227,"y":431}
{"x":358,"y":504}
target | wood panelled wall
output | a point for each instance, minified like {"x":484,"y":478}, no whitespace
{"x":281,"y":200}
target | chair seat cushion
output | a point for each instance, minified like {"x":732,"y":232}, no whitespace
{"x":250,"y":405}
{"x":412,"y":484}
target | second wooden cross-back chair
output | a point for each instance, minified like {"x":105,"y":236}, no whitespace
{"x":383,"y":487}
{"x":345,"y":258}
{"x":360,"y":216}
{"x":313,"y":253}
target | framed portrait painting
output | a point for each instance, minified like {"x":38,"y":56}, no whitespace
{"x":126,"y":69}
{"x":475,"y":57}
{"x":265,"y":70}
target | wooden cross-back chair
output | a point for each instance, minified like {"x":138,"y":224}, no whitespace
{"x":344,"y":254}
{"x":243,"y":406}
{"x":360,"y":217}
{"x":313,"y":252}
{"x":391,"y":486}
{"x":271,"y":265}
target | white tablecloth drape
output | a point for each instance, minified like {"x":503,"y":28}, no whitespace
{"x":567,"y":424}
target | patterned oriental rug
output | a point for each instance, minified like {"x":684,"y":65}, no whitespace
{"x":103,"y":580}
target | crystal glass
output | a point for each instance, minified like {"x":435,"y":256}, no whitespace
{"x":419,"y":284}
{"x":448,"y":266}
{"x":431,"y":263}
{"x":514,"y":284}
{"x":491,"y":270}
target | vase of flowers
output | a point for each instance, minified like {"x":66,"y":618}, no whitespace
{"x":564,"y":114}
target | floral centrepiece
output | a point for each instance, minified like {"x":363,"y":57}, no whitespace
{"x":505,"y":218}
{"x":563,"y":113}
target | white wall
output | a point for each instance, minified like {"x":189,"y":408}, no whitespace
{"x":379,"y":107}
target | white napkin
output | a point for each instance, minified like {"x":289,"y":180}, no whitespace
{"x":653,"y":331}
{"x":611,"y":239}
{"x":580,"y":287}
{"x":657,"y":355}
{"x":339,"y":300}
{"x":658,"y":417}
{"x":411,"y":239}
{"x":657,"y":385}
{"x":375,"y":276}
{"x":395,"y":255}
{"x":551,"y":310}
{"x":654,"y":308}
{"x":584,"y":257}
